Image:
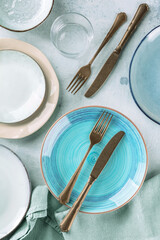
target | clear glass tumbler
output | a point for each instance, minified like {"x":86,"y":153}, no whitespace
{"x":71,"y":34}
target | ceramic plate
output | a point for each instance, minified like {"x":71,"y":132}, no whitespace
{"x":22,"y":86}
{"x":66,"y":144}
{"x":44,"y":112}
{"x":23,"y":15}
{"x":14,"y":191}
{"x":144,"y":75}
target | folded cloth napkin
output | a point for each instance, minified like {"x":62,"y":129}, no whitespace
{"x":39,"y":222}
{"x":138,"y":220}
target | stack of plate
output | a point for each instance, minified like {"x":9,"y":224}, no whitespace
{"x":29,"y":89}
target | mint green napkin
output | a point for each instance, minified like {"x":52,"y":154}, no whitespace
{"x":40,"y":223}
{"x":138,"y":220}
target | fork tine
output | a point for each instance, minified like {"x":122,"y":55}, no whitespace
{"x":73,"y":80}
{"x":81,"y":85}
{"x":100,"y":125}
{"x":104,"y":123}
{"x":94,"y":128}
{"x":78,"y":83}
{"x":103,"y":132}
{"x":78,"y":78}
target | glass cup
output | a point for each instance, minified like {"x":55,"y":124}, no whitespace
{"x":71,"y":34}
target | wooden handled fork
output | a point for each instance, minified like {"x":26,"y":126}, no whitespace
{"x":96,"y":136}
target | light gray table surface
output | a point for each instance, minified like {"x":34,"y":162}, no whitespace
{"x":114,"y":94}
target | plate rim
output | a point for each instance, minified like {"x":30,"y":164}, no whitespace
{"x":13,"y":30}
{"x":95,"y":106}
{"x":50,"y":78}
{"x":130,"y":67}
{"x":30,"y":190}
{"x":44,"y":79}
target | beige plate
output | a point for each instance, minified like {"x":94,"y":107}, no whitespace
{"x":41,"y":116}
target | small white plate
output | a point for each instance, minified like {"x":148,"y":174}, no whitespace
{"x":14,"y":191}
{"x":23,"y":15}
{"x":44,"y":112}
{"x":22,"y":86}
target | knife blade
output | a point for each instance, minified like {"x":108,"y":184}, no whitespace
{"x":112,"y":60}
{"x":106,"y":154}
{"x":103,"y":74}
{"x":97,"y":169}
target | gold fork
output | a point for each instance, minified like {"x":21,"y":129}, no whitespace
{"x":85,"y":71}
{"x":96,"y":136}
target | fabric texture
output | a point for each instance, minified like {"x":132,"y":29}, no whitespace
{"x":137,"y":220}
{"x":40,"y":222}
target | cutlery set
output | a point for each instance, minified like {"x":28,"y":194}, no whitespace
{"x":97,"y":169}
{"x":84,"y":72}
{"x":96,"y":136}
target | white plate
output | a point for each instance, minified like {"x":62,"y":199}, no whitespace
{"x":14,"y":191}
{"x":23,"y":15}
{"x":41,"y":116}
{"x":22,"y":86}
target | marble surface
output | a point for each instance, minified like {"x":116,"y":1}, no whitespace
{"x":115,"y":93}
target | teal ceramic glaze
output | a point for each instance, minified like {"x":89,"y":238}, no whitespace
{"x":66,"y":144}
{"x":145,"y":75}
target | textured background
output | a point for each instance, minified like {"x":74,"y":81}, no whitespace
{"x":114,"y":94}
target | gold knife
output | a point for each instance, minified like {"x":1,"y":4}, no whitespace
{"x":97,"y":169}
{"x":112,"y":60}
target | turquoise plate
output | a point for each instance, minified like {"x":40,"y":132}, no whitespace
{"x":66,"y":144}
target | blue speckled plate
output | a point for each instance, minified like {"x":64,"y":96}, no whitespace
{"x":65,"y":145}
{"x":145,"y":75}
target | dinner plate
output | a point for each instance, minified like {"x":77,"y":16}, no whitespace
{"x":46,"y":109}
{"x":22,"y":86}
{"x":14,"y":191}
{"x":66,"y":144}
{"x":23,"y":15}
{"x":145,"y":73}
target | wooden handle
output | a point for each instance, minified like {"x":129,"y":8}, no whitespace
{"x":66,"y":193}
{"x":69,"y":218}
{"x":120,"y":19}
{"x":141,"y":11}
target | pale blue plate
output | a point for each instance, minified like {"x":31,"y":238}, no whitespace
{"x":145,"y":75}
{"x":66,"y":144}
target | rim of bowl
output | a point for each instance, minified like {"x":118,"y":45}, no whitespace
{"x":130,"y":68}
{"x":90,"y":38}
{"x":95,"y":106}
{"x":28,"y":29}
{"x":30,"y":190}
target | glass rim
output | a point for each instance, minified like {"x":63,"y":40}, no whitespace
{"x":90,"y":36}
